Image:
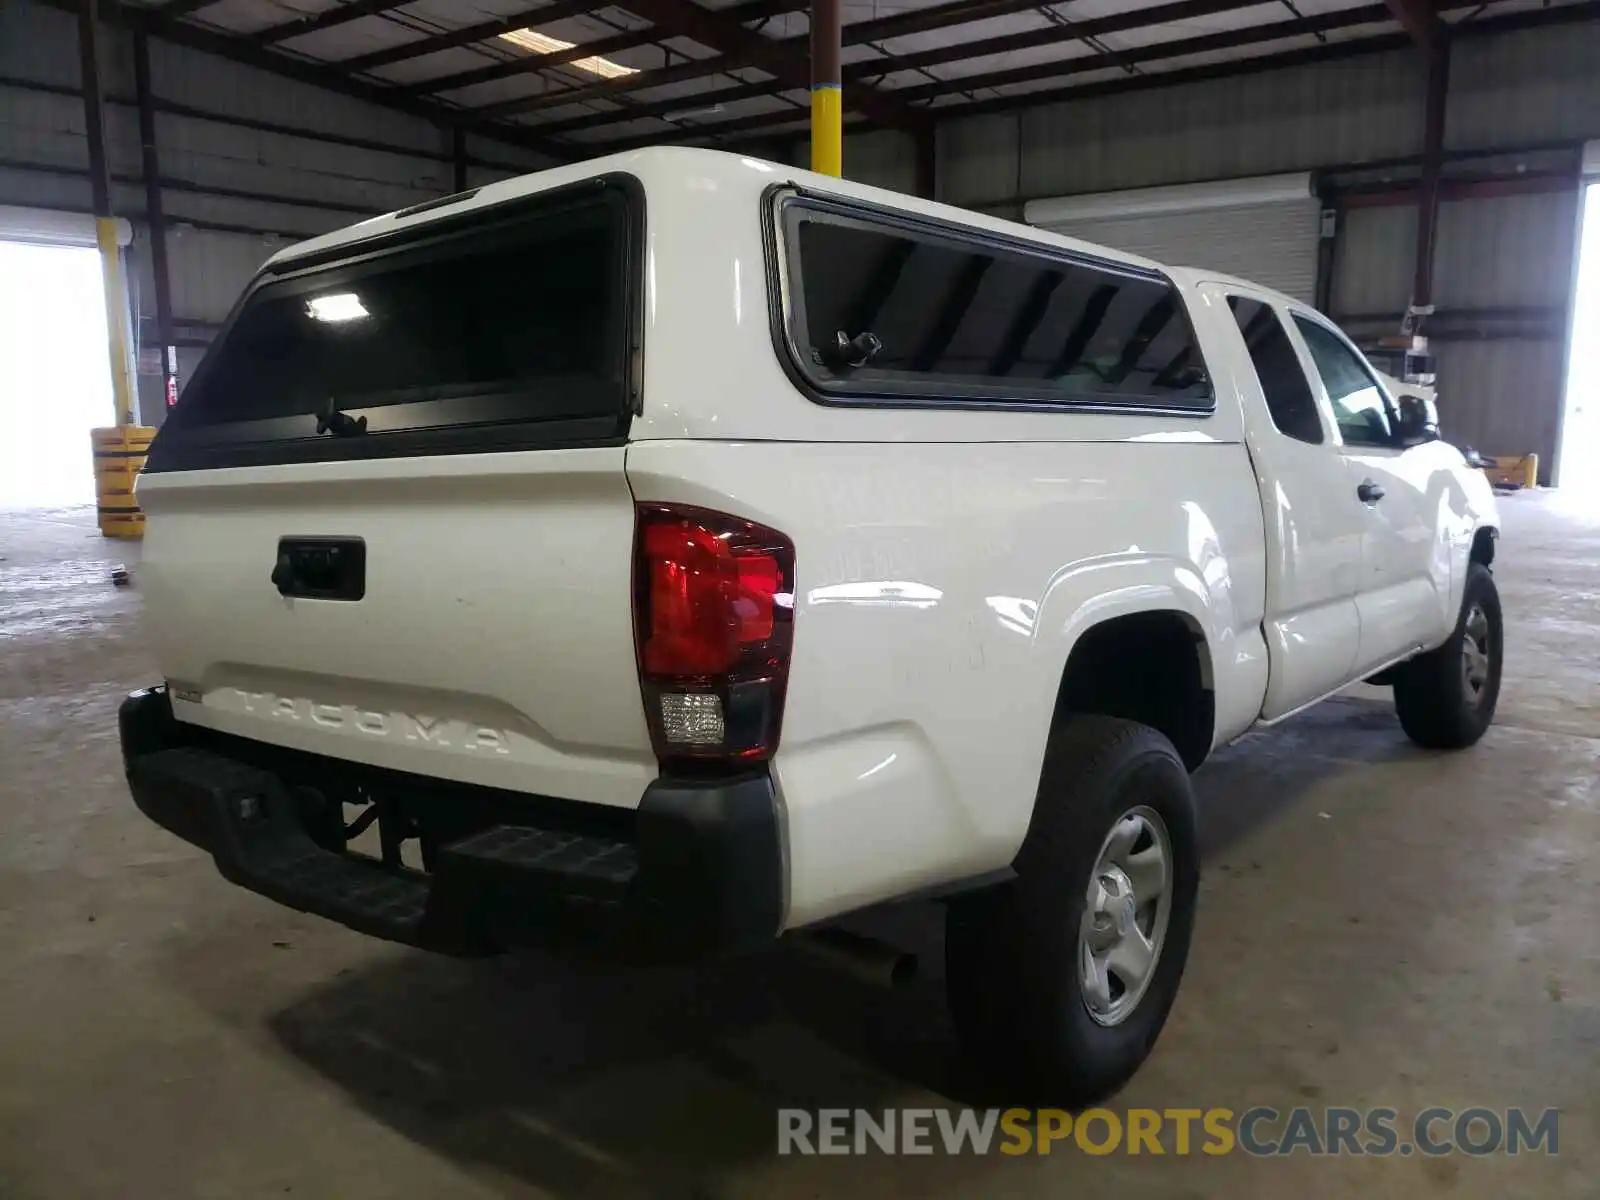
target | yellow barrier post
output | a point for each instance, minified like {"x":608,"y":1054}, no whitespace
{"x":119,"y":454}
{"x":1514,"y":470}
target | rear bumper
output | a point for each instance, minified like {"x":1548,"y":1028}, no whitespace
{"x":696,"y":870}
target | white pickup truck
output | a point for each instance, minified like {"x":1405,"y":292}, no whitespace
{"x":677,"y":551}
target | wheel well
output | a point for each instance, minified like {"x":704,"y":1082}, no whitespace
{"x":1149,"y":667}
{"x":1483,"y":545}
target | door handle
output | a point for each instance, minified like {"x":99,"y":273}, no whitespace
{"x":321,"y":568}
{"x":1368,"y":492}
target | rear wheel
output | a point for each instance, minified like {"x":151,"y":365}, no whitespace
{"x":1446,"y":698}
{"x":1060,"y":981}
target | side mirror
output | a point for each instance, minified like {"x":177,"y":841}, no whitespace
{"x":1419,"y":422}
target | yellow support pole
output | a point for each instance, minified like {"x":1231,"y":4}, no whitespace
{"x":105,"y":226}
{"x":105,"y":231}
{"x":827,"y":129}
{"x":827,"y":98}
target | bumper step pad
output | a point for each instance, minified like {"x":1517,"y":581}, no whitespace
{"x":575,"y":856}
{"x":248,"y":820}
{"x":695,"y":870}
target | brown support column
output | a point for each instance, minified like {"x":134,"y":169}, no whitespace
{"x":827,"y":100}
{"x":154,"y":215}
{"x":1438,"y":52}
{"x":927,"y":160}
{"x":1327,"y":255}
{"x":458,"y":155}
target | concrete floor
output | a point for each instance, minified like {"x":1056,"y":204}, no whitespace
{"x":1378,"y":926}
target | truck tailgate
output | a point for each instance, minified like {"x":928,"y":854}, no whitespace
{"x":492,"y":643}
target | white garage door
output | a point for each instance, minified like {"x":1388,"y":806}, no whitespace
{"x":44,"y":227}
{"x":1263,"y":230}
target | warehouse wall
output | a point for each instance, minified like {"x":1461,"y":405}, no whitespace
{"x":1294,"y":120}
{"x":295,"y":185}
{"x":1509,"y":90}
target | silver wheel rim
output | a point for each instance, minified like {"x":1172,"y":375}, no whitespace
{"x":1475,"y":651}
{"x":1125,"y":915}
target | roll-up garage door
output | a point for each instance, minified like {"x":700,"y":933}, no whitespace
{"x":1264,"y":230}
{"x":45,"y":227}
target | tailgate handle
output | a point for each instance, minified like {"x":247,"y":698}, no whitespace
{"x":327,"y":568}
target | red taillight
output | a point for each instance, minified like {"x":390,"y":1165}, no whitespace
{"x":713,"y":612}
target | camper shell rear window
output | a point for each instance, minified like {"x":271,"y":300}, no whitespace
{"x":504,"y":328}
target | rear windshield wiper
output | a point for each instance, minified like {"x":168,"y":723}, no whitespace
{"x":340,"y":424}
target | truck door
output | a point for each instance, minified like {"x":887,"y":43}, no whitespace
{"x":1405,"y":573}
{"x":1312,"y":517}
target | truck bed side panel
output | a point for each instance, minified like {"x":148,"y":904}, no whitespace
{"x":939,"y":590}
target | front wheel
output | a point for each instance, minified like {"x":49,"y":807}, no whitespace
{"x":1060,"y":981}
{"x":1445,"y":699}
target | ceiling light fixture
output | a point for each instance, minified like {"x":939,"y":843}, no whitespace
{"x":709,"y":110}
{"x":541,"y":43}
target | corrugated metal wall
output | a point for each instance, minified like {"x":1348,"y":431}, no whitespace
{"x":1375,"y":260}
{"x":1507,"y":90}
{"x":314,"y":185}
{"x":1511,"y":90}
{"x":1506,"y":250}
{"x":1503,"y":395}
{"x":1253,"y":125}
{"x":1499,"y":396}
{"x":1530,"y":86}
{"x":882,"y":158}
{"x":981,"y":162}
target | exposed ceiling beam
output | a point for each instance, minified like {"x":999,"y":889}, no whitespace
{"x":616,"y":89}
{"x":328,"y":18}
{"x":786,"y":50}
{"x":1231,"y":39}
{"x":232,"y":120}
{"x":1587,"y":10}
{"x":1417,"y":18}
{"x":481,"y":32}
{"x":532,"y":63}
{"x":1474,"y":187}
{"x":628,"y":39}
{"x":182,"y":8}
{"x":772,"y":124}
{"x":154,"y":24}
{"x":724,"y":34}
{"x":768,"y":125}
{"x":1094,"y":27}
{"x":1181,"y":10}
{"x":699,"y":102}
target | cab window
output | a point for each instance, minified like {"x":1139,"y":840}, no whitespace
{"x":1362,"y":411}
{"x":1283,"y":381}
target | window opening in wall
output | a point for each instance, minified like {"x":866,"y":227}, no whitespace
{"x":1579,"y":464}
{"x":55,"y":376}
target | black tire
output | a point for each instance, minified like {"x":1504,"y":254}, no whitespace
{"x":1437,"y":705}
{"x":1012,"y":953}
